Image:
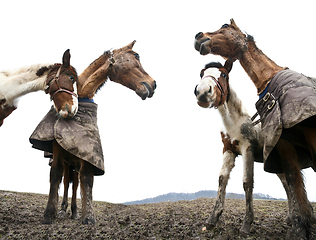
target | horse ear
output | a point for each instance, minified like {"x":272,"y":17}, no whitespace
{"x":232,"y":23}
{"x":66,"y":59}
{"x":229,"y":64}
{"x":131,"y":45}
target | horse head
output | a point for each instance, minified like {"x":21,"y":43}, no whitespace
{"x":61,"y":85}
{"x":213,"y":89}
{"x":228,"y":41}
{"x":120,"y":65}
{"x":127,"y":70}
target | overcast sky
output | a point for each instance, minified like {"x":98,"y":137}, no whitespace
{"x":163,"y":144}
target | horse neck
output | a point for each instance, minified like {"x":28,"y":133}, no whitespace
{"x":16,"y":83}
{"x":258,"y":66}
{"x":232,"y":111}
{"x":93,"y":76}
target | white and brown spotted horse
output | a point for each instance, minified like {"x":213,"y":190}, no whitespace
{"x":242,"y":137}
{"x":56,"y":79}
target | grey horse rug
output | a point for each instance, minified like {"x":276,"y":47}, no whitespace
{"x":79,"y":135}
{"x":289,"y":99}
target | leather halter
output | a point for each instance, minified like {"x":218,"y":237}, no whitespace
{"x":55,"y":79}
{"x":219,"y":87}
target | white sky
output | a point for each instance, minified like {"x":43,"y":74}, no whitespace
{"x":163,"y":144}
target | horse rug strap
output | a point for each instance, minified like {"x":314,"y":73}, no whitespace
{"x":79,"y":135}
{"x":290,"y":99}
{"x":254,"y":123}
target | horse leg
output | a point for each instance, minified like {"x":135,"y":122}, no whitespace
{"x":86,"y":184}
{"x":228,"y":165}
{"x":64,"y":205}
{"x":300,"y":214}
{"x":310,"y":136}
{"x":56,"y":174}
{"x":289,"y":199}
{"x":75,"y":182}
{"x":248,"y":188}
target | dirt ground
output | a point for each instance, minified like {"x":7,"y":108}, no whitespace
{"x":21,"y":217}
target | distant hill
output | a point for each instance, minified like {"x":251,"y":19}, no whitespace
{"x":173,"y":197}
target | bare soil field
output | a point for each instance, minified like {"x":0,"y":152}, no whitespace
{"x":21,"y":216}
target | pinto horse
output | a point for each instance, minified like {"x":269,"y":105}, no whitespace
{"x":122,"y":66}
{"x":289,"y":138}
{"x":241,"y":137}
{"x":56,"y":79}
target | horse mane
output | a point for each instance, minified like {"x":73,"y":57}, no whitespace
{"x":217,"y":65}
{"x":250,"y":38}
{"x":102,"y":84}
{"x":213,"y":65}
{"x":40,"y":72}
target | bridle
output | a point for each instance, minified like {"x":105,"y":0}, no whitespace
{"x":55,"y":79}
{"x":219,"y":87}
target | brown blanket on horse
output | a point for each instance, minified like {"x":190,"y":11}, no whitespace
{"x":79,"y":135}
{"x":290,"y":99}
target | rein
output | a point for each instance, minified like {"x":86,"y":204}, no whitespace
{"x":55,"y":79}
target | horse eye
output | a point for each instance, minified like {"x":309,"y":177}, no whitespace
{"x":225,"y":25}
{"x":136,"y":55}
{"x":72,"y":79}
{"x":224,"y":75}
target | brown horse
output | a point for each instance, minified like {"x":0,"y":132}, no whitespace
{"x":83,"y":153}
{"x":56,"y":79}
{"x":289,"y":138}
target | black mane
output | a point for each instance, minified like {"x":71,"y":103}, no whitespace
{"x":213,"y":65}
{"x":250,"y":38}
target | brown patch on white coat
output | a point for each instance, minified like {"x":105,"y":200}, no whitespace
{"x":241,"y":138}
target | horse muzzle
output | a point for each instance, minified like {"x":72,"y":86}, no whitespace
{"x":203,"y":100}
{"x":68,"y":111}
{"x":202,"y":45}
{"x":146,"y":91}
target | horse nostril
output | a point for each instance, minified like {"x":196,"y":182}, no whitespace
{"x":198,"y":35}
{"x":196,"y":92}
{"x":155,"y":85}
{"x":203,"y":98}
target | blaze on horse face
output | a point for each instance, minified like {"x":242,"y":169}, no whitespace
{"x":213,"y":89}
{"x":61,"y":85}
{"x":127,"y":70}
{"x":228,"y":41}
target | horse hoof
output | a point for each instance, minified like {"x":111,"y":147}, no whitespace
{"x":292,"y":234}
{"x":47,"y":220}
{"x":62,"y":214}
{"x":88,"y":221}
{"x":208,"y":226}
{"x":75,"y":216}
{"x":245,"y":228}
